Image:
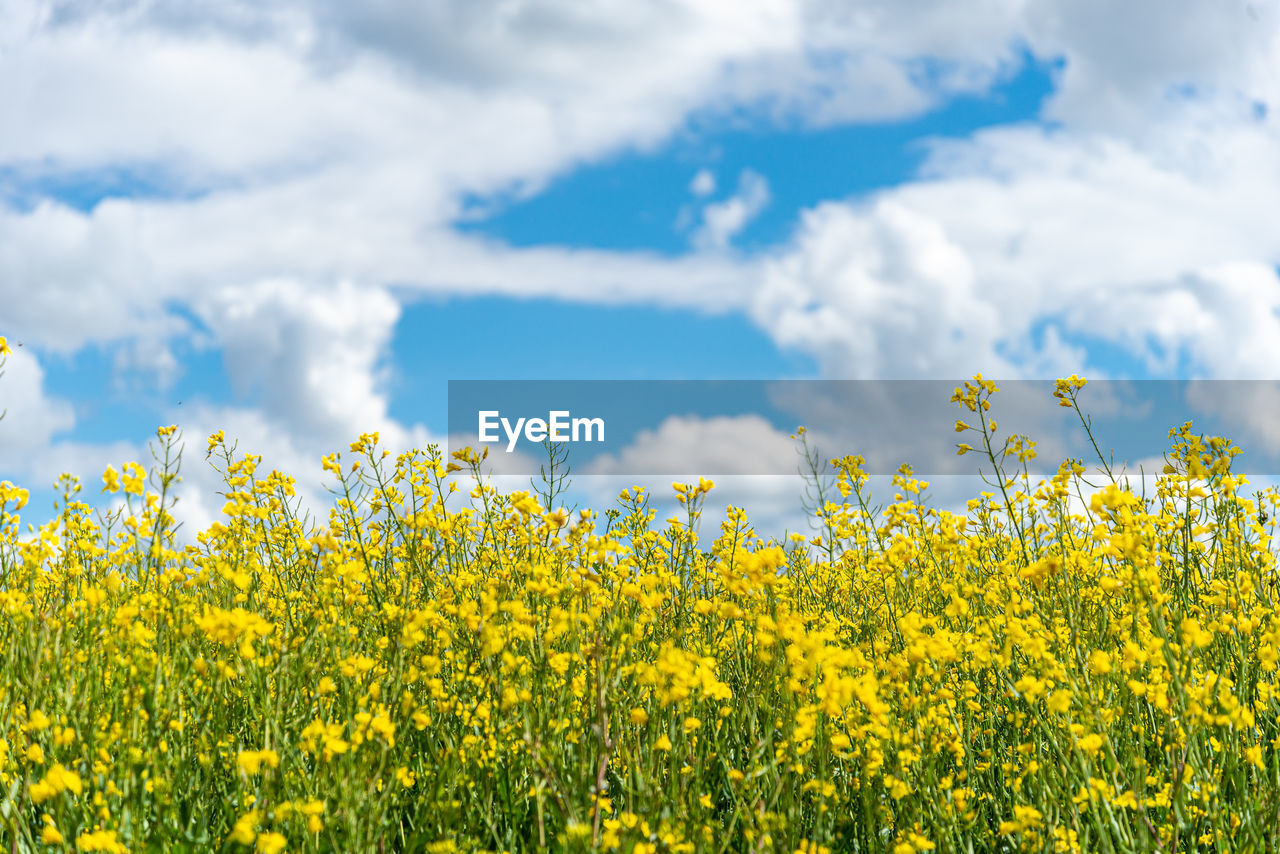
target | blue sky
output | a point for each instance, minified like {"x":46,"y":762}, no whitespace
{"x":629,"y":202}
{"x":634,"y":201}
{"x":301,"y":225}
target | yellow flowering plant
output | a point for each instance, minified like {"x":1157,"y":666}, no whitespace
{"x":440,"y":666}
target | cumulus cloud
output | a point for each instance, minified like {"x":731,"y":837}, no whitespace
{"x":302,"y":144}
{"x":755,"y":466}
{"x":703,"y":183}
{"x":1165,"y":253}
{"x":32,"y":417}
{"x":722,"y":221}
{"x":259,"y":117}
{"x":1128,"y":63}
{"x":250,"y":431}
{"x":694,"y":445}
{"x":877,"y":292}
{"x":313,"y":354}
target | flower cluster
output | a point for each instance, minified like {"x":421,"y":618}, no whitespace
{"x":442,"y":667}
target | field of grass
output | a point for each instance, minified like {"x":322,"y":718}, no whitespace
{"x":432,"y":670}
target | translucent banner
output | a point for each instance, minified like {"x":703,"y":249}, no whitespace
{"x":750,"y":427}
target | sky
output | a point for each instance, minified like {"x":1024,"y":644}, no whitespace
{"x":298,"y":221}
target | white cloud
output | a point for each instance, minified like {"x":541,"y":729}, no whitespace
{"x":250,"y":431}
{"x":1162,"y":252}
{"x":881,"y":292}
{"x":32,"y":418}
{"x":703,"y":183}
{"x":311,"y":143}
{"x":692,"y":445}
{"x":274,"y":112}
{"x":753,"y":464}
{"x":722,"y":221}
{"x":1127,"y":62}
{"x":315,"y":354}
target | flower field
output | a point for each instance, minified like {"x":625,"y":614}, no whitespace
{"x":439,"y":667}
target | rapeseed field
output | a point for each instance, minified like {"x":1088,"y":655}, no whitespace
{"x":441,"y":667}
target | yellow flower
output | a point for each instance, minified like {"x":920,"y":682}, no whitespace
{"x":133,"y":478}
{"x":1024,"y":818}
{"x":1090,"y":744}
{"x":383,"y":726}
{"x":56,"y":781}
{"x":663,"y":743}
{"x":271,"y":843}
{"x":1254,"y":755}
{"x":245,"y":830}
{"x":1193,"y":634}
{"x":215,"y":440}
{"x":101,"y":840}
{"x":313,"y":810}
{"x":335,"y":746}
{"x":64,"y":780}
{"x":251,"y":761}
{"x":1059,"y":701}
{"x":1127,"y":800}
{"x":918,"y":842}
